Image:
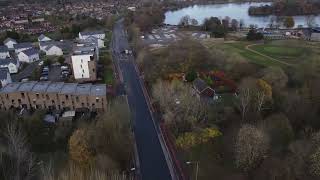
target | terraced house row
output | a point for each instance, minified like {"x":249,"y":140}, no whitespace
{"x":54,"y":95}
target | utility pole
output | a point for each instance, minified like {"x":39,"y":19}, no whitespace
{"x":197,"y":167}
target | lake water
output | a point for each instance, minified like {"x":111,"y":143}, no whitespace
{"x":238,"y":11}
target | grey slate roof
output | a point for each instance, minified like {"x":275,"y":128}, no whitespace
{"x":4,"y":49}
{"x":27,"y":86}
{"x":83,"y":89}
{"x":98,"y":90}
{"x":30,"y":52}
{"x":47,"y":43}
{"x":69,"y":88}
{"x":12,"y":87}
{"x":90,"y":33}
{"x":84,"y":50}
{"x":200,"y":84}
{"x":8,"y":61}
{"x":42,"y":36}
{"x":40,"y":86}
{"x":55,"y":87}
{"x":4,"y":73}
{"x":23,"y":45}
{"x":9,"y":39}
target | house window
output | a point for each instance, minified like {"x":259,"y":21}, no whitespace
{"x":83,"y":70}
{"x":82,"y":104}
{"x":97,"y":100}
{"x":37,"y":95}
{"x":92,"y":70}
{"x":7,"y":96}
{"x":81,"y":60}
{"x":52,"y":101}
{"x":22,"y":95}
{"x":67,"y":97}
{"x":77,"y":98}
{"x":81,"y":66}
{"x":12,"y":101}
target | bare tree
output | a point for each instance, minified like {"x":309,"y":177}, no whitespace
{"x":244,"y":101}
{"x":234,"y":24}
{"x":194,"y":22}
{"x":20,"y":158}
{"x":185,"y":21}
{"x":251,"y":147}
{"x":178,"y":103}
{"x":310,"y":20}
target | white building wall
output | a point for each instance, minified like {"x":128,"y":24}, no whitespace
{"x":28,"y":59}
{"x":6,"y":81}
{"x":80,"y":66}
{"x":4,"y":55}
{"x":44,"y":39}
{"x":10,"y":44}
{"x":100,"y":43}
{"x":99,"y":36}
{"x":12,"y":67}
{"x":54,"y":51}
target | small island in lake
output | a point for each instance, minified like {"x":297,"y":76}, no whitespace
{"x":287,"y":8}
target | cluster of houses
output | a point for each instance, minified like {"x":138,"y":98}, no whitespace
{"x":83,"y":54}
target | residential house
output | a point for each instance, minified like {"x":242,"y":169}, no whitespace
{"x":92,"y":40}
{"x":4,"y":52}
{"x":22,"y":46}
{"x":202,"y":89}
{"x":54,"y":95}
{"x":9,"y":42}
{"x":29,"y":55}
{"x":53,"y":50}
{"x":97,"y":34}
{"x":56,"y":48}
{"x":5,"y":77}
{"x":43,"y":38}
{"x":84,"y":63}
{"x":11,"y":64}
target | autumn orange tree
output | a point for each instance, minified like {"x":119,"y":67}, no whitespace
{"x":79,"y":148}
{"x":192,"y":139}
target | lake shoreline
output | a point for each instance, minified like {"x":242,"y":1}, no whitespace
{"x":180,"y":5}
{"x":238,"y":11}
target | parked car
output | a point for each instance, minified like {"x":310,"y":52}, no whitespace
{"x":44,"y":78}
{"x":44,"y":73}
{"x":24,"y":80}
{"x":65,"y":72}
{"x":40,"y":63}
{"x":45,"y":68}
{"x":63,"y":68}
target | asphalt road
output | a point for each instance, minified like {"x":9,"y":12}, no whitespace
{"x":152,"y":161}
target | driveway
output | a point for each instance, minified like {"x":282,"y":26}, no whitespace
{"x":26,"y":72}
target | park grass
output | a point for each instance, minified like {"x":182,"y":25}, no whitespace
{"x":240,"y":48}
{"x":287,"y":51}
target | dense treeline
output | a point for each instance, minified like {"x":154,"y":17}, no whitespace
{"x":288,"y":8}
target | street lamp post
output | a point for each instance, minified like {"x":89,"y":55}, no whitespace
{"x":197,"y":166}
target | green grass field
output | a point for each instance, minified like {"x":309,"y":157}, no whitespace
{"x":281,"y":52}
